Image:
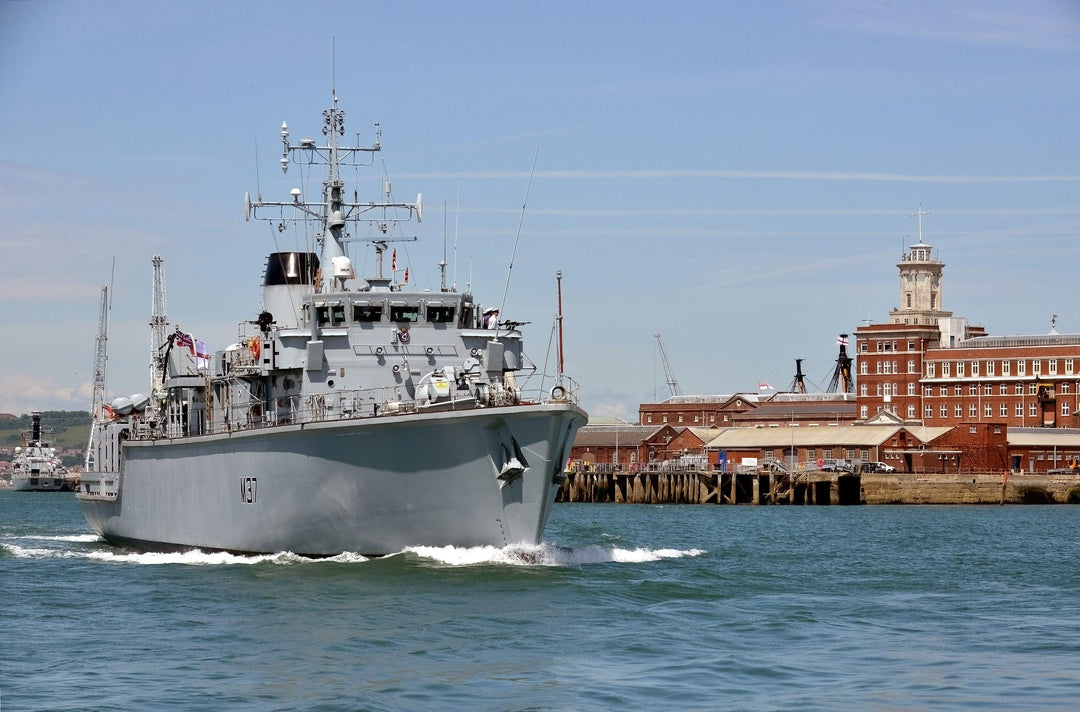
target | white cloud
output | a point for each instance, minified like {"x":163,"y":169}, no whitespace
{"x":21,"y":393}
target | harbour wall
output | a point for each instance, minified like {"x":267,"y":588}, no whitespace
{"x":703,"y":487}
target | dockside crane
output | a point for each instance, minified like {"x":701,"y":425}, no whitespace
{"x":101,"y":358}
{"x":669,"y":374}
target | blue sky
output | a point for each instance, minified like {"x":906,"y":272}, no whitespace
{"x":737,"y":176}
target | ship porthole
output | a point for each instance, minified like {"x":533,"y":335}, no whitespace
{"x":330,"y":383}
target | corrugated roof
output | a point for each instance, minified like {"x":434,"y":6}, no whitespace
{"x":822,"y":436}
{"x":1044,"y":437}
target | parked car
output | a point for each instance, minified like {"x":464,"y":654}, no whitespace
{"x":877,"y":467}
{"x":837,"y":466}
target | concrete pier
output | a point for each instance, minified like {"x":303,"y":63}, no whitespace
{"x":816,"y":488}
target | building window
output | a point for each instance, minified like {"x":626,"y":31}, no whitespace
{"x":973,"y":390}
{"x":944,"y":411}
{"x":877,"y":368}
{"x":911,"y":346}
{"x":1064,"y":407}
{"x":988,"y":389}
{"x":945,"y":369}
{"x":958,"y":390}
{"x":958,"y":410}
{"x":863,"y":390}
{"x":959,"y":369}
{"x":1003,"y":411}
{"x":1019,"y":410}
{"x":928,"y":412}
{"x":887,"y":368}
{"x":988,"y":410}
{"x":929,"y":370}
{"x":910,"y":412}
{"x":864,"y":367}
{"x":862,"y":411}
{"x":862,"y":346}
{"x":879,"y":390}
{"x":973,"y":410}
{"x":1052,"y":366}
{"x":1064,"y":388}
{"x":1033,"y":389}
{"x":911,"y":389}
{"x":888,"y":390}
{"x":928,"y":391}
{"x":680,"y":417}
{"x":649,"y":418}
{"x":1021,"y":368}
{"x":1033,"y":409}
{"x":1004,"y":368}
{"x":1019,"y":389}
{"x":1068,"y":366}
{"x":911,"y":366}
{"x":943,"y":390}
{"x":989,"y":368}
{"x":974,"y":368}
{"x":1003,"y":390}
{"x":1036,"y":366}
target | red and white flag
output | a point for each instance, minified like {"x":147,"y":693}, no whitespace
{"x":841,"y":340}
{"x":763,"y":386}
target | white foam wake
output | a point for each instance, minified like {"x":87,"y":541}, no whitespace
{"x":545,"y":555}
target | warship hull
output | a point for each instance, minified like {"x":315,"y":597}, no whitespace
{"x":38,"y":483}
{"x":373,"y":486}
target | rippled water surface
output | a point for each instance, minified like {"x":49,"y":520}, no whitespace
{"x":623,"y":607}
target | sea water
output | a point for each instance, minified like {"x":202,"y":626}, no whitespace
{"x":622,"y":607}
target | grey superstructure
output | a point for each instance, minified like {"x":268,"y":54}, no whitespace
{"x":351,"y":414}
{"x":36,"y":467}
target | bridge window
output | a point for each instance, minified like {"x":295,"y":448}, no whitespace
{"x":440,"y":314}
{"x":404,"y":312}
{"x":367,"y":313}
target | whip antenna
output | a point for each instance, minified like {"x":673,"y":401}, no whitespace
{"x":517,"y":237}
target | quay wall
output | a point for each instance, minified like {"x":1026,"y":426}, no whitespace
{"x":758,"y":488}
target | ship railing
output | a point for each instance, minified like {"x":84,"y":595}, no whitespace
{"x":339,"y":405}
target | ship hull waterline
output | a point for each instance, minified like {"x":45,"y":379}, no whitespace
{"x":371,"y":486}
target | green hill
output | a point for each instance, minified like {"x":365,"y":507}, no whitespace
{"x":60,"y":428}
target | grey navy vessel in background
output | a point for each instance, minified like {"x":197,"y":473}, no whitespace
{"x":36,"y":466}
{"x":352,"y":415}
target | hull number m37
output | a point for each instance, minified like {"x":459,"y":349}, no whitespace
{"x":249,"y":489}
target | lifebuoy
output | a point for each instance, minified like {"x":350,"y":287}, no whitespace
{"x":255,"y":344}
{"x":107,"y":411}
{"x":558,"y":393}
{"x":403,"y":335}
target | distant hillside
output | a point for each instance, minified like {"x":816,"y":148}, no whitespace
{"x":60,"y":428}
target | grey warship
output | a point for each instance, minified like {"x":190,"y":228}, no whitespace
{"x":351,"y":415}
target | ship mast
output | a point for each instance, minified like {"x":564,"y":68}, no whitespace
{"x":157,"y":328}
{"x":334,"y":210}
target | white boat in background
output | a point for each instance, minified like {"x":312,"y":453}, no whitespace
{"x":359,"y":415}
